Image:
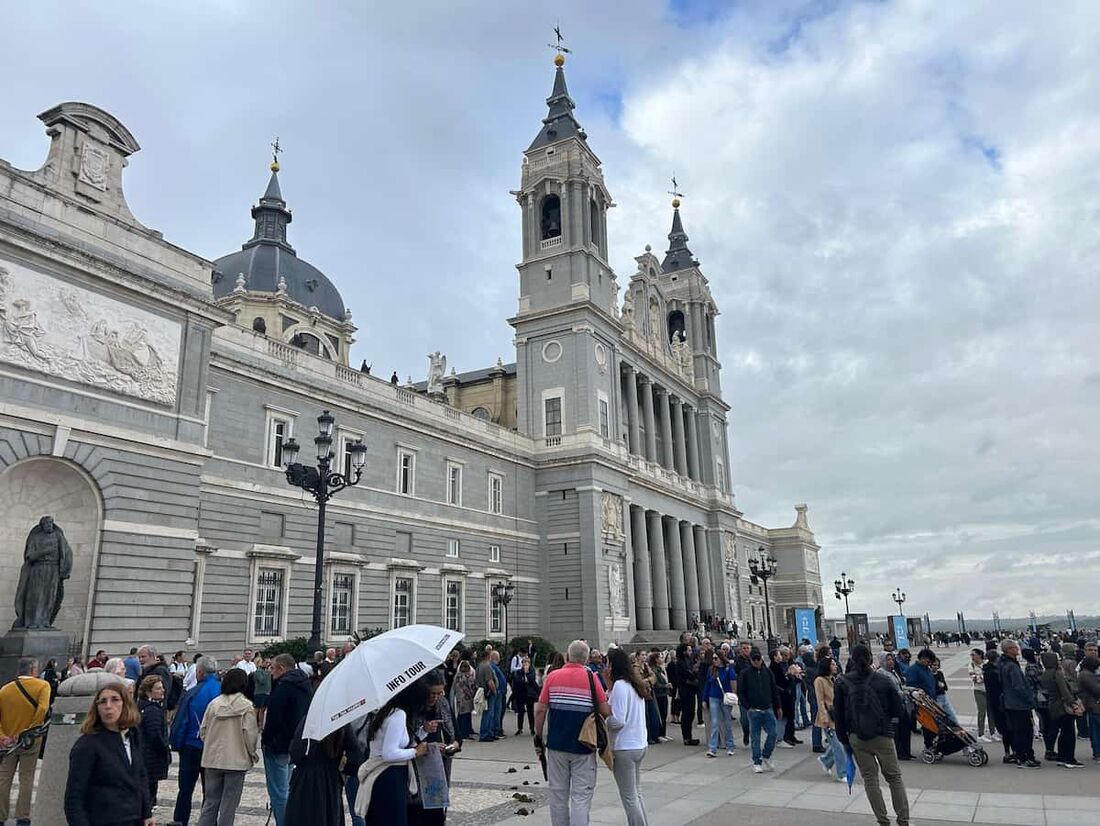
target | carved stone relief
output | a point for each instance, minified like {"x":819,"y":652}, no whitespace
{"x":67,"y":331}
{"x":611,"y":512}
{"x":729,"y":550}
{"x":94,"y":163}
{"x":616,"y":586}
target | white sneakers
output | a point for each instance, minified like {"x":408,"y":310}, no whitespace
{"x":768,"y":765}
{"x":757,"y":768}
{"x":824,"y":768}
{"x":783,"y":744}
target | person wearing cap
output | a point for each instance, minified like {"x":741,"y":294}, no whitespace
{"x":759,"y":698}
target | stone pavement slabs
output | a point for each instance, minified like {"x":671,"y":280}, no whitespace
{"x":1070,"y":817}
{"x":1090,"y":804}
{"x":1002,"y":814}
{"x":941,"y":811}
{"x":1021,"y":801}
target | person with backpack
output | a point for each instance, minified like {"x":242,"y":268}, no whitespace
{"x":867,"y":708}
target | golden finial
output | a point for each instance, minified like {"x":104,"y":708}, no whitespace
{"x":275,"y":150}
{"x":675,"y":203}
{"x":559,"y":58}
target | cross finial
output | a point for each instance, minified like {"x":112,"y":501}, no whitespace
{"x":275,"y":150}
{"x":559,"y":47}
{"x":675,"y":191}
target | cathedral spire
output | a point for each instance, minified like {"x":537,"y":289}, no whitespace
{"x":270,"y":214}
{"x":678,"y":257}
{"x":559,"y":123}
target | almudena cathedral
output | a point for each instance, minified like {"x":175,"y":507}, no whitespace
{"x":146,"y":394}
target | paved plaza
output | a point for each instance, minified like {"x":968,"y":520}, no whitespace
{"x":681,"y":786}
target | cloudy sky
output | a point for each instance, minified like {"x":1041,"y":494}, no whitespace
{"x":897,"y":204}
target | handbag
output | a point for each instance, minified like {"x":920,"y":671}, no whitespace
{"x":594,"y":730}
{"x":729,"y":699}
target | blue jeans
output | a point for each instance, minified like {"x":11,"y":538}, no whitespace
{"x":720,"y":720}
{"x":351,"y":789}
{"x":189,"y":772}
{"x":947,"y":707}
{"x":815,"y":732}
{"x":761,"y":719}
{"x":800,"y":705}
{"x":277,"y":774}
{"x":1094,"y":732}
{"x":486,"y":732}
{"x":835,"y":757}
{"x":498,"y":714}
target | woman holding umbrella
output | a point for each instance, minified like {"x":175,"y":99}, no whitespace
{"x":384,"y":777}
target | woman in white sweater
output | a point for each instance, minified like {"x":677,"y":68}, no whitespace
{"x":386,"y":786}
{"x":628,"y":694}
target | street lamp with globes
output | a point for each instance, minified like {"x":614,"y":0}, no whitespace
{"x":323,"y":483}
{"x":761,"y":569}
{"x":844,"y":586}
{"x":899,"y":597}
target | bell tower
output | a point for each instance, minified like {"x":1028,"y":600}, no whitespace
{"x":567,"y":319}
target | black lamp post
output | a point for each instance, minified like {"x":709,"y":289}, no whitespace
{"x":761,"y":569}
{"x":502,"y":595}
{"x":844,"y":586}
{"x":899,"y":598}
{"x":323,"y":483}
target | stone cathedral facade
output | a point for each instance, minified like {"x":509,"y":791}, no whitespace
{"x":146,"y":393}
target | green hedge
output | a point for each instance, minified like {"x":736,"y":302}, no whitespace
{"x":296,"y":647}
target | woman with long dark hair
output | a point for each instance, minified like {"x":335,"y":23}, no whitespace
{"x":835,"y":760}
{"x":628,"y":694}
{"x":384,"y":778}
{"x":154,"y":732}
{"x":720,"y":680}
{"x":661,"y":688}
{"x":525,"y":691}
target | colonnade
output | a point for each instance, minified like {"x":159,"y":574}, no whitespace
{"x":672,"y":571}
{"x":650,"y":406}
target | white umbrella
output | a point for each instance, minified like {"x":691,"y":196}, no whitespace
{"x":374,"y":672}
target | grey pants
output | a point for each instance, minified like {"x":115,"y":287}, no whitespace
{"x":572,"y":779}
{"x":628,"y":775}
{"x":870,"y":756}
{"x":982,"y":702}
{"x":223,"y":796}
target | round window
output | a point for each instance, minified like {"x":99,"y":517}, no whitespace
{"x":551,"y":351}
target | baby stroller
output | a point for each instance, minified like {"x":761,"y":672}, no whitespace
{"x":949,"y":738}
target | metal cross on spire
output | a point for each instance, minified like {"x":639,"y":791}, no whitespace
{"x":675,"y":191}
{"x":275,"y":150}
{"x":558,"y":47}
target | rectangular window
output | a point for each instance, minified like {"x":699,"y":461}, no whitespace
{"x":346,"y":441}
{"x":605,"y":419}
{"x":496,"y":493}
{"x":406,"y":472}
{"x":496,"y":613}
{"x":553,"y":416}
{"x":278,"y":433}
{"x":270,"y":594}
{"x":402,"y":601}
{"x":494,"y":553}
{"x":454,"y":484}
{"x":452,"y":604}
{"x":452,"y":548}
{"x":343,"y":597}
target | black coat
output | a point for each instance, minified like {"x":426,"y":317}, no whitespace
{"x":154,"y":739}
{"x":525,"y":689}
{"x":287,"y":706}
{"x":104,"y":788}
{"x":316,"y":794}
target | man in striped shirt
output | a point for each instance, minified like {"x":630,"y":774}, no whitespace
{"x":566,"y":699}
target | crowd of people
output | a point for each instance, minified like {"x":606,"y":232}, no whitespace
{"x":581,"y":705}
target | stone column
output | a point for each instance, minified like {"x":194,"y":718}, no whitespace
{"x":643,"y":580}
{"x":679,"y":444}
{"x":676,"y":570}
{"x":691,"y":570}
{"x":657,"y":567}
{"x":647,"y":411}
{"x":634,"y":432}
{"x":693,"y":445}
{"x":666,"y":428}
{"x":702,"y":565}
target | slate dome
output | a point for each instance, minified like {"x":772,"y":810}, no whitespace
{"x":267,"y":257}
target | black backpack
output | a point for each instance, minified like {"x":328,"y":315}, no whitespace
{"x":863,"y":708}
{"x":175,"y":692}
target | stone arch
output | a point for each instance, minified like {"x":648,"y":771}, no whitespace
{"x":550,"y":217}
{"x":44,"y":485}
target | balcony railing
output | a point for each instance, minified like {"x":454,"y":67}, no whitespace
{"x":550,"y":243}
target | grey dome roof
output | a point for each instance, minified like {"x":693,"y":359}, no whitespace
{"x":267,"y":257}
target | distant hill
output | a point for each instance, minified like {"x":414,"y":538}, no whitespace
{"x":1057,"y":622}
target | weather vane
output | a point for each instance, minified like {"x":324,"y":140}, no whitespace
{"x":558,"y":47}
{"x":275,"y":150}
{"x":675,"y":191}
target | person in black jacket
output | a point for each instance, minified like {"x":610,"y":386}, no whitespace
{"x":759,"y":699}
{"x":286,"y":708}
{"x":687,"y":686}
{"x":525,"y":691}
{"x":994,"y":697}
{"x":740,"y":663}
{"x":107,"y":784}
{"x":155,"y":751}
{"x":867,"y":708}
{"x":1018,"y":703}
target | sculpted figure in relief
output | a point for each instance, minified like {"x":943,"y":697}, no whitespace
{"x":654,"y":320}
{"x":616,"y":589}
{"x":611,"y":512}
{"x":628,"y":310}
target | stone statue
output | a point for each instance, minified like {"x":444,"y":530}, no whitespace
{"x":611,"y":513}
{"x":628,"y":310}
{"x":47,"y":563}
{"x":616,"y":590}
{"x":681,"y":351}
{"x":437,"y":369}
{"x":654,"y":321}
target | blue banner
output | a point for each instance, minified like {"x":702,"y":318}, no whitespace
{"x":901,"y":631}
{"x":805,"y":625}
